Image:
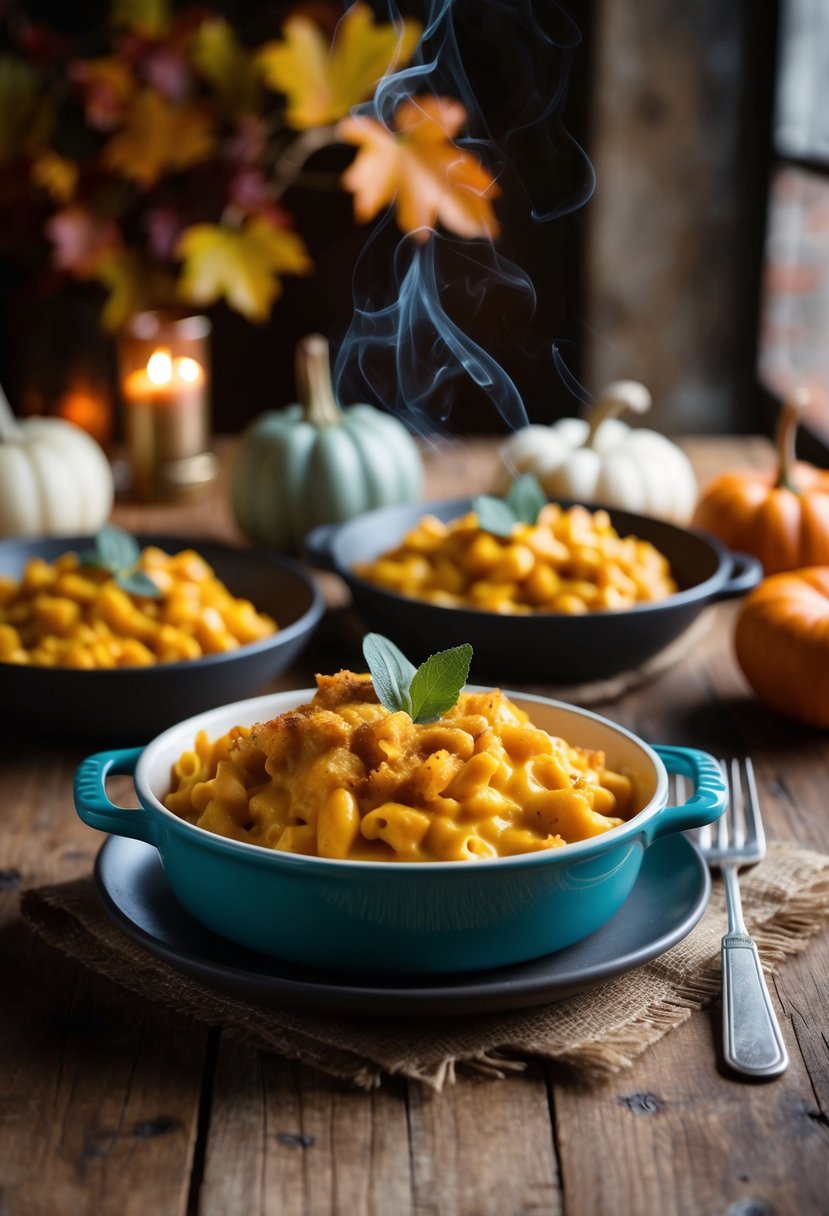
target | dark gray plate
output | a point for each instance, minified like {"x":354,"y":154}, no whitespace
{"x":668,"y":899}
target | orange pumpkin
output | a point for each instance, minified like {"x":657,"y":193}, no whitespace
{"x":782,"y":518}
{"x":782,"y":643}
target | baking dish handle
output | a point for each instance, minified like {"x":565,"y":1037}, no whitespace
{"x":316,"y":548}
{"x":746,"y":572}
{"x":95,"y":808}
{"x":706,"y":803}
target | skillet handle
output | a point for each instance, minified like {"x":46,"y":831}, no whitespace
{"x":746,"y":572}
{"x":316,"y":548}
{"x":95,"y":808}
{"x":707,"y":802}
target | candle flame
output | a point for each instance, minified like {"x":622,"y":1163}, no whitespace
{"x":160,"y":367}
{"x":188,"y":370}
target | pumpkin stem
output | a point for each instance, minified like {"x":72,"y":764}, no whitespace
{"x":616,"y":398}
{"x":785,"y":437}
{"x":9,"y":429}
{"x":313,"y":381}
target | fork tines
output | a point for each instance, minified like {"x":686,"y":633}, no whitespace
{"x":738,"y":835}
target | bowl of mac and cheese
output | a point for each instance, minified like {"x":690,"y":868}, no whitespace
{"x":83,"y":657}
{"x":320,"y":827}
{"x":581,"y":595}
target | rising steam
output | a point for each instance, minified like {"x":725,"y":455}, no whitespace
{"x":403,"y":348}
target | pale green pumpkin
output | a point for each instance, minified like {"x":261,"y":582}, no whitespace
{"x":315,"y":463}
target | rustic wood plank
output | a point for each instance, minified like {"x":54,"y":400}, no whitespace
{"x":677,"y":1138}
{"x":484,"y":1148}
{"x":99,"y":1091}
{"x":285,"y":1140}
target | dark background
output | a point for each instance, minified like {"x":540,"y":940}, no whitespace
{"x":698,"y":76}
{"x":47,"y":332}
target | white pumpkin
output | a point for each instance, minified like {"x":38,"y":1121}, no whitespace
{"x":603,"y":460}
{"x":54,"y":478}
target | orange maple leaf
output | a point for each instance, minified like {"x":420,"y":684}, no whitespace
{"x":243,"y":265}
{"x":322,"y":82}
{"x":417,"y":167}
{"x":158,"y":137}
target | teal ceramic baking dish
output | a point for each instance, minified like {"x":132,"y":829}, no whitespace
{"x":400,"y":917}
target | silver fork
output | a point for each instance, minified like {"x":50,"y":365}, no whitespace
{"x":752,"y":1042}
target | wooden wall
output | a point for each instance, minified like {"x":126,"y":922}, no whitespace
{"x":679,"y":139}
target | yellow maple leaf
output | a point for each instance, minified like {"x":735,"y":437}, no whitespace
{"x":418,"y":168}
{"x":133,"y":284}
{"x":226,"y":65}
{"x":322,"y":82}
{"x":242,"y":265}
{"x":158,"y":137}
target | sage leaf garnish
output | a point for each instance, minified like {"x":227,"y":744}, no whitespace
{"x":425,"y":692}
{"x":138,"y":583}
{"x":391,"y":672}
{"x":437,"y":683}
{"x":494,"y":515}
{"x":118,"y":550}
{"x":119,"y":553}
{"x":521,"y":505}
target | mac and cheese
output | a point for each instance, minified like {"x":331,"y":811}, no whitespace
{"x":570,"y":561}
{"x":343,"y":777}
{"x":64,"y":614}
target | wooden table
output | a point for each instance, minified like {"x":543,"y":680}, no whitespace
{"x":111,"y":1105}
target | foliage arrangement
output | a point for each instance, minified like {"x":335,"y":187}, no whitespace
{"x":154,"y":156}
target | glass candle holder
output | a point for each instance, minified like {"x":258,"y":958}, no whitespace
{"x":164,"y":363}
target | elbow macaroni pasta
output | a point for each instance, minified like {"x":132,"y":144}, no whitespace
{"x":570,"y":561}
{"x":343,"y":777}
{"x":64,"y":614}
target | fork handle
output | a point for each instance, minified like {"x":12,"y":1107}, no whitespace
{"x":752,"y":1042}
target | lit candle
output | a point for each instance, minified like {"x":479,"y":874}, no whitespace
{"x":166,"y":413}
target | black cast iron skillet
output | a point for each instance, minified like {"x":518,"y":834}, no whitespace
{"x":133,"y":704}
{"x":541,"y":646}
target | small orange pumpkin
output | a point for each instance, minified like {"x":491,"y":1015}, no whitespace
{"x":782,"y":643}
{"x":784,"y":519}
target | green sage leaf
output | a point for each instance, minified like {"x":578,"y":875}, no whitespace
{"x":526,"y":498}
{"x":91,"y":557}
{"x":437,"y":683}
{"x":499,"y":516}
{"x":136,"y":582}
{"x":425,"y":693}
{"x":391,"y":672}
{"x":494,"y":515}
{"x":117,"y":549}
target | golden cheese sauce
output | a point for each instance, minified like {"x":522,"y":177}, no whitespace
{"x":343,"y":777}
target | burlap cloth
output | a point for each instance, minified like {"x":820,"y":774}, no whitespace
{"x":600,"y":1031}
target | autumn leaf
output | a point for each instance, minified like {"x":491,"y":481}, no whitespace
{"x":158,"y":137}
{"x":134,"y":285}
{"x":418,"y":168}
{"x":220,"y":58}
{"x":107,"y":85}
{"x":242,"y":265}
{"x":322,"y":82}
{"x":149,"y":18}
{"x":56,"y":175}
